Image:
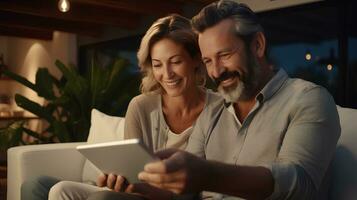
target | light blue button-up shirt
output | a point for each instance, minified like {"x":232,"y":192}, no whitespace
{"x":292,"y":130}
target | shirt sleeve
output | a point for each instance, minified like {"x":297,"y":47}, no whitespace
{"x":203,"y":125}
{"x":132,"y":127}
{"x":196,"y":142}
{"x":308,"y":146}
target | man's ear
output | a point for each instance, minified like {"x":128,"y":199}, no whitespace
{"x":258,"y":44}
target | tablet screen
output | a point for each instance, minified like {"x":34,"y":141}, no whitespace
{"x":125,"y":157}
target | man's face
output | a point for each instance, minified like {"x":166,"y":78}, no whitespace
{"x":229,"y":61}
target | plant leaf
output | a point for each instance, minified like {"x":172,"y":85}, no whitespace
{"x":60,"y":130}
{"x":11,"y":135}
{"x":68,"y":73}
{"x":44,"y":84}
{"x":35,"y":135}
{"x":33,"y":107}
{"x":20,"y":79}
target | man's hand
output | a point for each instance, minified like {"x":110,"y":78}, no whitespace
{"x":178,"y":171}
{"x":115,"y":182}
{"x":149,"y":192}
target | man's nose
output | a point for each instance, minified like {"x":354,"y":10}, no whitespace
{"x":216,"y":69}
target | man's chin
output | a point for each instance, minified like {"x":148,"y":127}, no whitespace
{"x":231,"y":94}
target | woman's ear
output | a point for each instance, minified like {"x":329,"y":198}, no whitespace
{"x":258,"y":45}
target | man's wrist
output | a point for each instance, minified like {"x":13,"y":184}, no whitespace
{"x":209,"y":175}
{"x":186,"y":197}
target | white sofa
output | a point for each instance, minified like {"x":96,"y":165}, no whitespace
{"x":63,"y":161}
{"x":60,"y":160}
{"x":344,"y":165}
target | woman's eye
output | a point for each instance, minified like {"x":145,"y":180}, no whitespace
{"x":156,"y":65}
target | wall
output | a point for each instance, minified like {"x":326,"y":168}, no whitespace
{"x":24,"y":56}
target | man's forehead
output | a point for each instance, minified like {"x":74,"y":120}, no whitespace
{"x":217,"y":37}
{"x":223,"y":27}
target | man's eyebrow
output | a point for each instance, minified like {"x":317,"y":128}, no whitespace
{"x":224,"y":50}
{"x":204,"y":58}
{"x":176,"y":55}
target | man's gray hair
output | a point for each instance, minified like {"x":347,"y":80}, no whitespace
{"x":246,"y":22}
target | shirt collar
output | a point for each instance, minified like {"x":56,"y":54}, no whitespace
{"x":271,"y":87}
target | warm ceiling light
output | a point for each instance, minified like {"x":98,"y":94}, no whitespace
{"x":329,"y":67}
{"x":63,"y":5}
{"x":308,"y":55}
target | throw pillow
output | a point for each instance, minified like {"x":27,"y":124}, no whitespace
{"x":104,"y":128}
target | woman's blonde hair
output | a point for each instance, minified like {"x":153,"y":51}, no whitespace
{"x":177,"y":29}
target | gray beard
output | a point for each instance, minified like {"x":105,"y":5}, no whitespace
{"x":241,"y":90}
{"x":232,"y":94}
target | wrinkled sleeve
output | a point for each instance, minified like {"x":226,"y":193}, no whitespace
{"x":203,"y":127}
{"x":132,"y":127}
{"x":308,"y":146}
{"x":196,"y":142}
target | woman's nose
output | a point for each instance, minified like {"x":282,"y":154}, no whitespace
{"x":168,"y":72}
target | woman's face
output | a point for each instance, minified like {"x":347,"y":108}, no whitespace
{"x":173,"y":67}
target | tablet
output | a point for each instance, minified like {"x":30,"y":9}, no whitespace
{"x":125,"y":157}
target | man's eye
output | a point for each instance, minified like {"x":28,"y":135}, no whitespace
{"x":176,"y":62}
{"x":225,"y":55}
{"x":206,"y":62}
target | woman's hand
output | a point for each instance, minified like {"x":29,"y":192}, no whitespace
{"x":115,"y":182}
{"x":119,"y":184}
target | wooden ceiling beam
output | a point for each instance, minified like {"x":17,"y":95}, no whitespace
{"x":78,"y":12}
{"x":25,"y":32}
{"x":152,"y":7}
{"x":31,"y":21}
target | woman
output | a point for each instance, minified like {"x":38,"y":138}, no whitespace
{"x":173,"y":94}
{"x":173,"y":97}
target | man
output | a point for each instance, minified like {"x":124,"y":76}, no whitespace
{"x":273,"y":138}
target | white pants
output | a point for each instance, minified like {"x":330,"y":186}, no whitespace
{"x":69,"y":190}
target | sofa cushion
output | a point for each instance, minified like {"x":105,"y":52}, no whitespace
{"x":104,"y":128}
{"x":344,"y":173}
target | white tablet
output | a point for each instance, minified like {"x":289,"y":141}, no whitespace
{"x":125,"y":157}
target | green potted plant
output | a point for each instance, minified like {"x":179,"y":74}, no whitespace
{"x":70,"y":99}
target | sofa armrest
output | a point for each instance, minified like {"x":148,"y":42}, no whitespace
{"x":60,"y":160}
